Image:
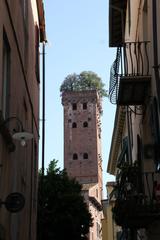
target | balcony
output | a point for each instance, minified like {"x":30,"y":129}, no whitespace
{"x":130,"y":74}
{"x":137,"y":194}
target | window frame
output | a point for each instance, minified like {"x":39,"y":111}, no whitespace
{"x":84,"y":106}
{"x":85,"y":124}
{"x":75,"y":156}
{"x":85,"y":155}
{"x":74,"y":125}
{"x":74,"y":106}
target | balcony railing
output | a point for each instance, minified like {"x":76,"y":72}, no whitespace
{"x":130,"y":73}
{"x":137,"y":198}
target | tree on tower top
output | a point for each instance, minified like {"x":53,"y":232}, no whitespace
{"x":86,"y":80}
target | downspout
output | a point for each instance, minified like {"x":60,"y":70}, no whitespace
{"x":43,"y":110}
{"x":129,"y":137}
{"x":155,"y":50}
{"x":43,"y":127}
{"x":31,"y":187}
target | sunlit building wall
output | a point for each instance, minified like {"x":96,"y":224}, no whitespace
{"x":22,"y":28}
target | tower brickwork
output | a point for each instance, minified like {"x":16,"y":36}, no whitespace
{"x":82,"y":148}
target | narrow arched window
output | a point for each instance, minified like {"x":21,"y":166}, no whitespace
{"x":74,"y":106}
{"x":75,"y":156}
{"x":85,"y":155}
{"x":85,"y":124}
{"x":74,"y":125}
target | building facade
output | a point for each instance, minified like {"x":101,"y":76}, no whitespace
{"x":82,"y":148}
{"x":22,"y":28}
{"x":134,"y":88}
{"x":110,"y":230}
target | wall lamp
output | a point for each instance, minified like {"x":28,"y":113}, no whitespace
{"x":19,"y":135}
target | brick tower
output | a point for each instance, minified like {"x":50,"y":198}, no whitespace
{"x":82,"y":148}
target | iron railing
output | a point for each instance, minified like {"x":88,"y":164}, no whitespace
{"x":137,"y":196}
{"x":114,"y":78}
{"x":132,"y":60}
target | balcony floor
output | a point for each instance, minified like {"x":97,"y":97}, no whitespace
{"x":133,"y":90}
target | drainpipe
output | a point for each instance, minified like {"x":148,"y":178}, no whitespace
{"x":155,"y":50}
{"x":43,"y":110}
{"x":31,"y":187}
{"x":129,"y":137}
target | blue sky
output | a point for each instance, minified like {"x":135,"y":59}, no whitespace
{"x":77,"y":34}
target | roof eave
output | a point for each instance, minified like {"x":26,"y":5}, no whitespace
{"x":41,"y":17}
{"x":116,"y":139}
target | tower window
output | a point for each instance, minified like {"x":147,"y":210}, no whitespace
{"x":74,"y":106}
{"x":74,"y":125}
{"x":75,"y":156}
{"x":85,"y":124}
{"x":85,"y":105}
{"x":85,"y":156}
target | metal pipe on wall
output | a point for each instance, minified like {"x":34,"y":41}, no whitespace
{"x":43,"y":109}
{"x":129,"y":137}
